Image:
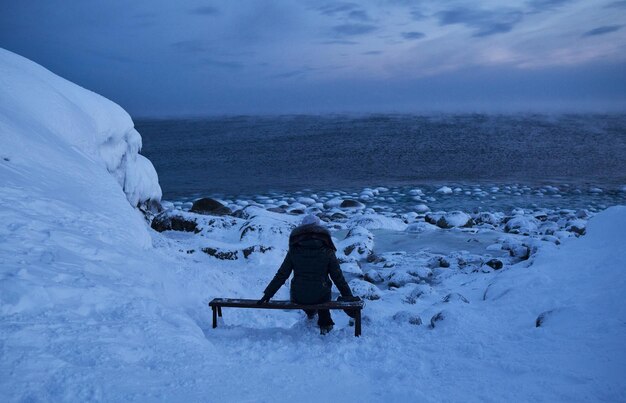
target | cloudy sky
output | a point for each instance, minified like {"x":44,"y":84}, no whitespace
{"x":162,"y":57}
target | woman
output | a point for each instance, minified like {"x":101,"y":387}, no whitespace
{"x":312,"y":259}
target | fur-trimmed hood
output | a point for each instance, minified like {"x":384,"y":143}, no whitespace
{"x":311,"y":231}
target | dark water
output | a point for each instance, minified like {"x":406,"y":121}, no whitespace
{"x":249,"y":155}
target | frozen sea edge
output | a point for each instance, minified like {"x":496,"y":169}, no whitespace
{"x":96,"y":306}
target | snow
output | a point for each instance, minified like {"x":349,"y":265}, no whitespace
{"x":95,"y":306}
{"x":56,"y":112}
{"x":445,"y":190}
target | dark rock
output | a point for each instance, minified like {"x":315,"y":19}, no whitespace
{"x":455,"y":296}
{"x":576,"y":227}
{"x":438,"y":317}
{"x":432,"y":218}
{"x":235,"y":254}
{"x":542,"y":318}
{"x":209,"y":206}
{"x":338,"y":216}
{"x":222,"y":255}
{"x":296,"y":211}
{"x":374,"y":258}
{"x":407,"y":317}
{"x":167,"y":221}
{"x":438,"y":261}
{"x":495,"y":264}
{"x":373,"y":276}
{"x":256,"y":248}
{"x":521,"y":252}
{"x":549,"y":228}
{"x":279,"y":210}
{"x":239,"y":213}
{"x":349,"y":203}
{"x":418,"y":292}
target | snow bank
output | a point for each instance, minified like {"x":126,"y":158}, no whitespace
{"x":82,"y":292}
{"x":583,"y":283}
{"x":37,"y":105}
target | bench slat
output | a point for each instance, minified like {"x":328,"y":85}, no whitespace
{"x":278,"y":304}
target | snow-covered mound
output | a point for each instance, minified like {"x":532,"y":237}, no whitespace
{"x":80,"y":285}
{"x":41,"y":114}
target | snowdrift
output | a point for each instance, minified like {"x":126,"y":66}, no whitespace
{"x":42,"y":110}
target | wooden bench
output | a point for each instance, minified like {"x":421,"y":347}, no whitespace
{"x":218,"y":303}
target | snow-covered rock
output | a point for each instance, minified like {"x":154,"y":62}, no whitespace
{"x":377,"y":221}
{"x":352,"y":268}
{"x":267,"y":228}
{"x":364,"y":289}
{"x":521,"y":224}
{"x":358,"y":244}
{"x":455,"y":219}
{"x":420,"y":226}
{"x":405,"y":317}
{"x":400,"y":278}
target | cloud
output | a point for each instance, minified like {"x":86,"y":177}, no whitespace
{"x":337,"y":8}
{"x":602,"y":30}
{"x":418,"y":15}
{"x":294,"y":73}
{"x":372,"y":53}
{"x":349,"y":11}
{"x":205,"y":10}
{"x":289,"y":74}
{"x":353,"y":29}
{"x":359,"y":15}
{"x":616,"y":4}
{"x":413,"y":35}
{"x":222,"y":64}
{"x":339,"y":42}
{"x":539,"y":6}
{"x":192,"y":46}
{"x":484,"y":22}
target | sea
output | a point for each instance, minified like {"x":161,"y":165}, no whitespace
{"x":490,"y":161}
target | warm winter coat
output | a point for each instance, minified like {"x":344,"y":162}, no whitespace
{"x":312,"y":259}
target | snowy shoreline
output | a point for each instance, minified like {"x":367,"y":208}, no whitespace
{"x":96,"y":306}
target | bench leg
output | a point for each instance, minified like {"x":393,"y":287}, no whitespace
{"x":357,"y":323}
{"x":219,"y":311}
{"x":214,"y":317}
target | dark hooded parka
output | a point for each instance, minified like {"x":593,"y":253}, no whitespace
{"x":312,"y":260}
